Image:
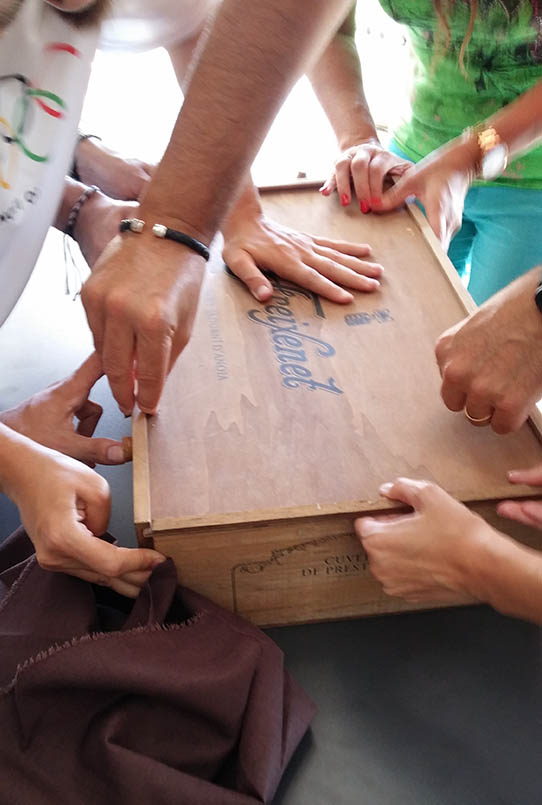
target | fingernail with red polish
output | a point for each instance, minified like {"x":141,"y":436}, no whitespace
{"x":376,"y":202}
{"x":364,"y":207}
{"x":345,"y":201}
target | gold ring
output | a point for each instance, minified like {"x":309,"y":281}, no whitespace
{"x":481,"y":421}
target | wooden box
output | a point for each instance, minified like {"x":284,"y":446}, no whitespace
{"x":280,"y":421}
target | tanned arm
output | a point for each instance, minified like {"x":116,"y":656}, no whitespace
{"x":362,"y":161}
{"x":142,"y":297}
{"x":337,"y":82}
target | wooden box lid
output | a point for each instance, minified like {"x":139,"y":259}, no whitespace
{"x":302,"y":407}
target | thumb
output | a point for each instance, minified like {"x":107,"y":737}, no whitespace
{"x":397,"y":194}
{"x":409,"y":491}
{"x":95,"y":451}
{"x":245,"y":269}
{"x":109,"y":560}
{"x":531,"y":476}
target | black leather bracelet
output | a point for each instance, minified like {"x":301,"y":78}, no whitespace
{"x":161,"y":231}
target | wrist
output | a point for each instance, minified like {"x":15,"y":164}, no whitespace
{"x":481,"y":551}
{"x":462,"y":155}
{"x":247,"y":208}
{"x":72,"y":191}
{"x":488,"y":151}
{"x":84,"y":158}
{"x":464,"y":565}
{"x":151,"y":216}
{"x":360,"y":137}
{"x":509,"y":577}
{"x":520,"y":298}
{"x":82,"y":216}
{"x":164,"y":232}
{"x":85,"y":220}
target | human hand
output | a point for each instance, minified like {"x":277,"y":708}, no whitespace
{"x":141,"y":300}
{"x":366,"y":166}
{"x":116,"y":176}
{"x":424,"y":556}
{"x":98,"y":223}
{"x":64,"y":508}
{"x":528,"y":512}
{"x":47,"y":418}
{"x":440,"y":182}
{"x":491,"y":362}
{"x":253,"y":242}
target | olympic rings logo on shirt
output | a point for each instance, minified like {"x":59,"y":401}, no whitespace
{"x":13,"y":131}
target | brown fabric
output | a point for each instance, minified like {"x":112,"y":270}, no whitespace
{"x":166,"y":700}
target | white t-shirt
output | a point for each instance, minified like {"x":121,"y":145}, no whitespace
{"x":138,"y":25}
{"x":44,"y":71}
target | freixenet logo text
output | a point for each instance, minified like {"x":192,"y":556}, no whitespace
{"x":290,"y":343}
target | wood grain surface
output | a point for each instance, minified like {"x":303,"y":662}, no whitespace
{"x":303,"y":403}
{"x":294,"y":571}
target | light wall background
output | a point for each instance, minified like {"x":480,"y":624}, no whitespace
{"x":133,"y":101}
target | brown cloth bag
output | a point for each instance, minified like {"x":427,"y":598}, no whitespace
{"x":168,"y":699}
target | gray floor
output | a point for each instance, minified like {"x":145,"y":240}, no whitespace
{"x":438,"y":708}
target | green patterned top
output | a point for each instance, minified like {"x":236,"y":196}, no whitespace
{"x":503,"y":59}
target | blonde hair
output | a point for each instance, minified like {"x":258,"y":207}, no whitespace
{"x":443,"y":30}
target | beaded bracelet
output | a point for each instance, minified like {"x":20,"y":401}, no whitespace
{"x":161,"y":231}
{"x":76,"y":209}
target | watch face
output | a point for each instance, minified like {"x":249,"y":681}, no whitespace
{"x":494,"y":162}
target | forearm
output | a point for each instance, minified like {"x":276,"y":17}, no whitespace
{"x":73,"y":191}
{"x":97,"y":218}
{"x":508,"y":576}
{"x":232,"y":98}
{"x":183,"y":56}
{"x":520,"y":123}
{"x":519,"y":126}
{"x":338,"y":84}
